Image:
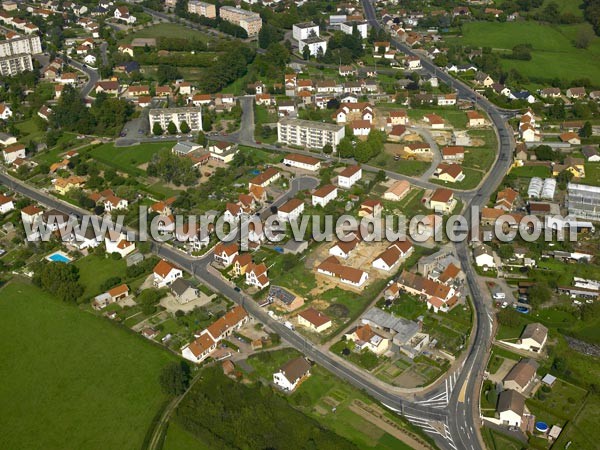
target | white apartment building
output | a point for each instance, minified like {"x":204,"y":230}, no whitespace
{"x":301,"y":31}
{"x":306,"y":133}
{"x":30,"y":45}
{"x":202,"y":9}
{"x":191,"y":115}
{"x":15,"y":54}
{"x":316,"y":45}
{"x":348,"y":28}
{"x":248,"y":20}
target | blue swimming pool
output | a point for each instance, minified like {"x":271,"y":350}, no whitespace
{"x":59,"y":257}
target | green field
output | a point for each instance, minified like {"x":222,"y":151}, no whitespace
{"x":530,"y":172}
{"x":167,"y":30}
{"x":553,"y":55}
{"x":127,"y":159}
{"x":94,"y":270}
{"x":180,"y":439}
{"x":74,"y":380}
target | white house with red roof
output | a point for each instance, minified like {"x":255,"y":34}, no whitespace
{"x":165,"y":273}
{"x":225,"y":253}
{"x":5,"y":111}
{"x":6,"y":204}
{"x":396,"y":252}
{"x":349,"y":176}
{"x":256,"y":275}
{"x":290,"y":210}
{"x":118,"y":243}
{"x":122,"y":14}
{"x":323,"y":195}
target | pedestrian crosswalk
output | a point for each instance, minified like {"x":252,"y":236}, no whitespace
{"x":441,"y":399}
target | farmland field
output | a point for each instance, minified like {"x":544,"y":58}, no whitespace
{"x":75,"y":380}
{"x":553,"y":55}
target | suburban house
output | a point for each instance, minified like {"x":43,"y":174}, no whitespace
{"x":13,"y":153}
{"x":576,"y":92}
{"x":398,"y":117}
{"x":323,"y":195}
{"x":118,"y":243}
{"x":222,"y":151}
{"x":475,"y":119}
{"x":290,"y":210}
{"x":232,"y":213}
{"x":225,"y":253}
{"x":451,"y":173}
{"x":484,"y":257}
{"x":122,"y":13}
{"x":284,"y":299}
{"x":302,"y":162}
{"x":395,"y":252}
{"x":6,"y":204}
{"x":397,"y":191}
{"x":364,"y":337}
{"x":165,"y":274}
{"x":439,"y":297}
{"x":314,"y":320}
{"x":241,"y":262}
{"x":521,"y":376}
{"x":506,"y":198}
{"x":347,"y":275}
{"x":406,"y":335}
{"x":265,"y":178}
{"x":349,"y":176}
{"x":511,"y":407}
{"x":343,"y":249}
{"x":453,"y":153}
{"x":533,"y":338}
{"x":64,"y":185}
{"x":370,"y":208}
{"x":224,"y":326}
{"x":256,"y":275}
{"x":442,"y":201}
{"x":199,"y":349}
{"x":291,"y":374}
{"x":183,"y":291}
{"x":434,"y":121}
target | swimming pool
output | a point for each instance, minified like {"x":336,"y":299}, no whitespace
{"x":59,"y":257}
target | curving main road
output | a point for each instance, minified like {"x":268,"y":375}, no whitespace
{"x":463,"y":407}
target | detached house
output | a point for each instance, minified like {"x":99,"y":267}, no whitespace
{"x":511,"y":407}
{"x":364,"y":338}
{"x":323,"y":195}
{"x":475,"y":119}
{"x":199,"y":349}
{"x":302,"y":162}
{"x":256,"y":275}
{"x":225,"y":253}
{"x":576,"y":93}
{"x":314,"y":320}
{"x":349,"y":176}
{"x":122,"y":14}
{"x":291,"y":374}
{"x":290,"y":210}
{"x":451,"y":173}
{"x":165,"y":274}
{"x":521,"y":376}
{"x":396,"y":252}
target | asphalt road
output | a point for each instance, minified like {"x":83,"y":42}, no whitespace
{"x":92,"y":74}
{"x":463,"y":407}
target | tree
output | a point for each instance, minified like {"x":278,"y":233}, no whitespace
{"x":157,"y":129}
{"x":60,"y":280}
{"x":206,"y":122}
{"x":345,"y":148}
{"x":327,"y":149}
{"x":362,"y":152}
{"x":506,"y":251}
{"x":545,"y":153}
{"x":539,"y":294}
{"x":201,"y":139}
{"x":171,"y":128}
{"x":166,"y":73}
{"x":306,"y":53}
{"x":586,"y":130}
{"x":184,"y":127}
{"x":174,"y":378}
{"x":584,"y":37}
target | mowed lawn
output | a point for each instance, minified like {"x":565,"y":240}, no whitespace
{"x":167,"y":30}
{"x":94,"y":270}
{"x":70,"y":379}
{"x":127,"y":159}
{"x":553,"y":52}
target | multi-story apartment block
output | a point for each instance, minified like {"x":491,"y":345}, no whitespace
{"x":202,"y":9}
{"x":15,"y":54}
{"x":193,"y":117}
{"x":301,"y":31}
{"x":248,"y":20}
{"x":306,"y":133}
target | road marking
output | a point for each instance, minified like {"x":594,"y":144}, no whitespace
{"x":463,"y":392}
